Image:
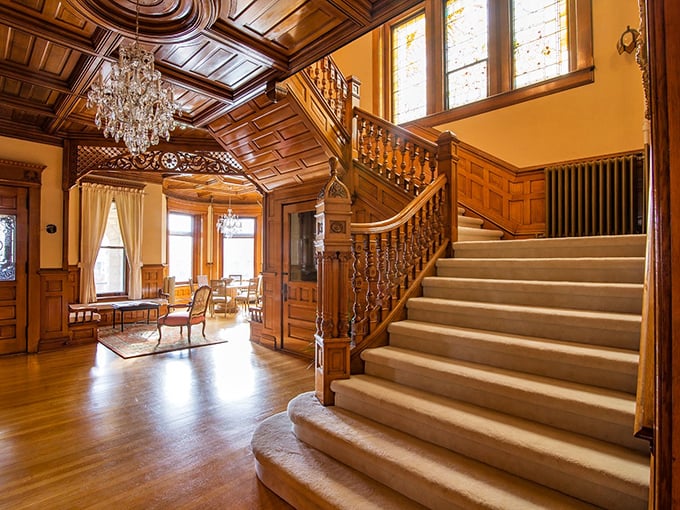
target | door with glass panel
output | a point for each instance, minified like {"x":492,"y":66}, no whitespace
{"x":299,"y":278}
{"x":13,"y":258}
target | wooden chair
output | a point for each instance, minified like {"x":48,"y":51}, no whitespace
{"x":194,"y":314}
{"x":249,"y":295}
{"x":220,"y":299}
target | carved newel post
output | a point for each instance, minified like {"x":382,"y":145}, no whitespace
{"x":333,"y":258}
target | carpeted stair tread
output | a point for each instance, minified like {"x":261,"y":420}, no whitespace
{"x":436,"y":477}
{"x":603,"y":296}
{"x":605,"y":414}
{"x":543,"y":356}
{"x":468,"y":221}
{"x":602,"y":473}
{"x":476,"y":233}
{"x":307,"y":478}
{"x":592,"y":246}
{"x":599,"y":269}
{"x":601,"y":328}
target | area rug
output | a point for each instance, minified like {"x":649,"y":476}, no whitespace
{"x":142,"y":339}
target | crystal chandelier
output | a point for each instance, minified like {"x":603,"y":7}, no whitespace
{"x":133,"y":105}
{"x":229,"y":224}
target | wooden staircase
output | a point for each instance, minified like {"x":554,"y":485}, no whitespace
{"x":511,"y":384}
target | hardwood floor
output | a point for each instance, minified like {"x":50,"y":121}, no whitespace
{"x":83,"y":428}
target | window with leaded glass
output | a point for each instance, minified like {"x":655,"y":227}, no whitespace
{"x":478,"y":55}
{"x":409,"y":71}
{"x":540,"y":46}
{"x":467,"y":56}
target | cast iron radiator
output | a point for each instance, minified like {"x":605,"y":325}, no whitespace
{"x":597,"y":197}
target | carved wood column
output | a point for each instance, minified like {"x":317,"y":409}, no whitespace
{"x":447,"y":163}
{"x":334,"y":258}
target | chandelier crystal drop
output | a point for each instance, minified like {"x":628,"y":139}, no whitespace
{"x":132,"y":105}
{"x":229,"y":224}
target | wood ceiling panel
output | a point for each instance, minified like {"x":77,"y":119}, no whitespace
{"x":19,"y":46}
{"x":218,"y":56}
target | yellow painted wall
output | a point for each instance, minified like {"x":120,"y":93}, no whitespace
{"x":153,"y":233}
{"x":600,"y":118}
{"x":355,"y":60}
{"x":51,"y":198}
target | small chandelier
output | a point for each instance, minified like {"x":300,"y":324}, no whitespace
{"x":133,"y":105}
{"x":229,"y":224}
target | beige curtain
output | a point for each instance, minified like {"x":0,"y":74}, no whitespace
{"x":95,"y":202}
{"x":130,"y":205}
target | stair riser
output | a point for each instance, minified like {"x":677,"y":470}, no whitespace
{"x":604,"y":332}
{"x":536,"y":361}
{"x":546,"y":468}
{"x":435,"y":477}
{"x":548,"y":270}
{"x":604,"y":299}
{"x":593,"y":422}
{"x":610,"y":246}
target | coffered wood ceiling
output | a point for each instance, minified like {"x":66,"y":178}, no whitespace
{"x":216,"y":54}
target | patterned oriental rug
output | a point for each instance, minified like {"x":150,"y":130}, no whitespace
{"x":142,"y":339}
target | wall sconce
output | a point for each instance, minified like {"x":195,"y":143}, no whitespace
{"x":628,"y":40}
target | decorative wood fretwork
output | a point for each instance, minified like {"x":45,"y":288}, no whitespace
{"x":89,"y":158}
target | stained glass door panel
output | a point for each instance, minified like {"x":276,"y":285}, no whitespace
{"x":13,"y":291}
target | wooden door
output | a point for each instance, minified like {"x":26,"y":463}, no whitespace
{"x":13,"y":261}
{"x":298,"y":279}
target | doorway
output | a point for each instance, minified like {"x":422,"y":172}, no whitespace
{"x":299,"y":279}
{"x":13,"y":263}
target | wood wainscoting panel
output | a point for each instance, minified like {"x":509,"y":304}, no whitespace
{"x":512,"y":199}
{"x":54,"y":295}
{"x":152,"y":279}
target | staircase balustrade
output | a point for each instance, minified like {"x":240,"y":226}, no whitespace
{"x":390,"y":258}
{"x":331,"y":84}
{"x":404,"y":159}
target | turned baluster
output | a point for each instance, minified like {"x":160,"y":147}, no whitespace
{"x":358,"y":282}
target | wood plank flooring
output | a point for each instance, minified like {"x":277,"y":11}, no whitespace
{"x":83,"y":428}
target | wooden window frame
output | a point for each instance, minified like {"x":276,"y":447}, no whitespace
{"x":501,"y":93}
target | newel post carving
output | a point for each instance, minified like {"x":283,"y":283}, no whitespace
{"x":333,"y":258}
{"x":447,"y":163}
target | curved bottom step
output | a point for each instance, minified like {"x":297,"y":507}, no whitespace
{"x":308,"y":478}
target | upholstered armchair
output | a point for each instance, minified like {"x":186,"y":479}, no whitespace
{"x":194,"y":314}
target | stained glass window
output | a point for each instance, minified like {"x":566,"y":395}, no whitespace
{"x":540,"y":40}
{"x":8,"y":243}
{"x":485,"y":54}
{"x":409,"y":72}
{"x":466,"y":49}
